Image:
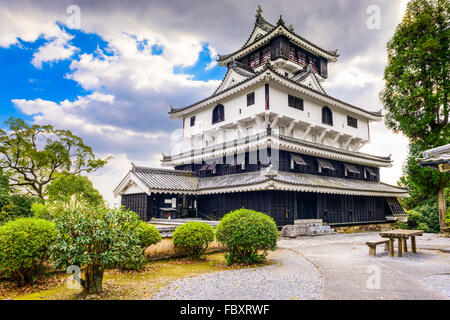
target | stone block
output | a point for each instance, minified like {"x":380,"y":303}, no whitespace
{"x":293,"y":231}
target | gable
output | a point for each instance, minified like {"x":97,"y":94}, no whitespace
{"x":311,"y":82}
{"x":256,"y":34}
{"x":232,"y":78}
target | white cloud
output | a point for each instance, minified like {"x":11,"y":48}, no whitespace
{"x":57,"y":49}
{"x":27,"y":24}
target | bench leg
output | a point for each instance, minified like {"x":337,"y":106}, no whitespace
{"x":391,"y":247}
{"x":372,"y":251}
{"x":413,"y":244}
{"x":400,"y":249}
{"x":405,"y":245}
{"x":386,"y":246}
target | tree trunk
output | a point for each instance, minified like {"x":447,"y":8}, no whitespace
{"x":442,"y":208}
{"x":92,"y":283}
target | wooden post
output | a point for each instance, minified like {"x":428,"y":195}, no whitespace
{"x":413,"y":244}
{"x":400,"y":249}
{"x":442,"y":208}
{"x":386,"y":246}
{"x":405,"y":246}
{"x":372,"y":251}
{"x":391,"y":247}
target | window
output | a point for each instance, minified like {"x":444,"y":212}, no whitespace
{"x":249,"y":131}
{"x":295,"y":102}
{"x":327,"y":116}
{"x":250,"y":99}
{"x":192,"y":121}
{"x":352,"y":122}
{"x":281,"y":131}
{"x":218,"y":114}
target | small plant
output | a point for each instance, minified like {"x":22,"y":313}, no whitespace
{"x":246,"y":232}
{"x":194,"y":237}
{"x":147,"y":235}
{"x":414,"y":222}
{"x":95,"y":239}
{"x":24,"y":246}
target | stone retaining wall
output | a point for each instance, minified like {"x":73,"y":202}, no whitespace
{"x":365,"y":228}
{"x":165,"y":249}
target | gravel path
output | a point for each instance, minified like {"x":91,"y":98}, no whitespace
{"x":346,"y":267}
{"x":291,"y":277}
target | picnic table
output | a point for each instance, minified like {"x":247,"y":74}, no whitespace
{"x":402,"y":236}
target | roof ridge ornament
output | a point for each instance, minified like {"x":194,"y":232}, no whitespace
{"x":259,"y":11}
{"x":280,"y":21}
{"x":291,"y":28}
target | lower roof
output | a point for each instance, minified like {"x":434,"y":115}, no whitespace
{"x":151,"y":180}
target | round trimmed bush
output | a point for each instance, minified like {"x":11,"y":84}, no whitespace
{"x":245,"y":232}
{"x":24,"y":246}
{"x":147,"y":234}
{"x":193,"y":237}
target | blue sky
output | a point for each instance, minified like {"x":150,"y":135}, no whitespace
{"x":21,"y":80}
{"x":112,"y":78}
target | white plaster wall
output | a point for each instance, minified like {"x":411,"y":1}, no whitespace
{"x":237,"y":111}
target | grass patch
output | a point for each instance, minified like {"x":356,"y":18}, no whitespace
{"x":120,"y":285}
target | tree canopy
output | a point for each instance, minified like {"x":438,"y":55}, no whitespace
{"x":417,"y":80}
{"x":415,"y":96}
{"x":74,"y":190}
{"x":32,"y":156}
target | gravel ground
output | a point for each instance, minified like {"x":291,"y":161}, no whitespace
{"x":291,"y":277}
{"x":424,"y":275}
{"x":440,"y":282}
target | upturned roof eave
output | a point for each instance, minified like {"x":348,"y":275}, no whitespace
{"x":375,"y":116}
{"x":330,"y":55}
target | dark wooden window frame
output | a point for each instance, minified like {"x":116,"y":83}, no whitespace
{"x":295,"y":102}
{"x":218,"y":114}
{"x":250,"y":99}
{"x":192,"y":121}
{"x":327,"y":116}
{"x":352,"y":122}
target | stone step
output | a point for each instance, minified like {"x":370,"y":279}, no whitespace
{"x":308,"y":221}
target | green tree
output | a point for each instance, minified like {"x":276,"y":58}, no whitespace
{"x":74,"y":190}
{"x":95,"y":239}
{"x":32,"y":156}
{"x":415,"y":96}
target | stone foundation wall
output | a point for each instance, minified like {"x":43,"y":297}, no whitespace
{"x":165,"y":249}
{"x":365,"y":228}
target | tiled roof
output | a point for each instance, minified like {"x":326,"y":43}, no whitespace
{"x":231,"y":180}
{"x":174,"y":180}
{"x":269,"y":67}
{"x":335,"y":183}
{"x":269,"y":28}
{"x":164,"y":179}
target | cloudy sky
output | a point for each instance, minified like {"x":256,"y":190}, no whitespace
{"x":111,"y":75}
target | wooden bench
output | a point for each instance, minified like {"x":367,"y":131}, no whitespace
{"x":373,"y":246}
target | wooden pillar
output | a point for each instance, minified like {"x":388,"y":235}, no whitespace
{"x":391,"y":247}
{"x":413,"y":244}
{"x":372,"y":251}
{"x":400,"y":249}
{"x":405,"y":245}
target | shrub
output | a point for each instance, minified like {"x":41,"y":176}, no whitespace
{"x":415,"y":222}
{"x":245,"y":232}
{"x":24,"y":245}
{"x":194,"y":237}
{"x":147,"y":235}
{"x":95,"y":239}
